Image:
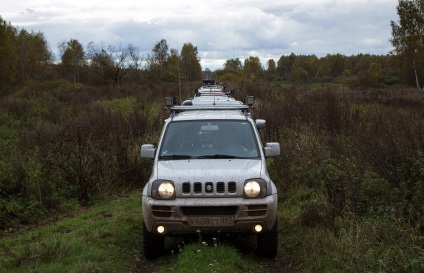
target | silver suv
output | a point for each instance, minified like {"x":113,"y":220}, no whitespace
{"x":209,"y":176}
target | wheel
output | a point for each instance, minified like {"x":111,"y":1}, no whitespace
{"x":267,"y":243}
{"x":153,"y":245}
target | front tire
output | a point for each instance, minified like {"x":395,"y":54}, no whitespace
{"x":153,"y":245}
{"x":267,"y":243}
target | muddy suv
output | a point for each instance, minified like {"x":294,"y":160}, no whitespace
{"x":209,"y":177}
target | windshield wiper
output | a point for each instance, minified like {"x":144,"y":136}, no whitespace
{"x":218,"y":156}
{"x":176,"y":157}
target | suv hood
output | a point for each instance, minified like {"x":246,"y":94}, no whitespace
{"x":206,"y":170}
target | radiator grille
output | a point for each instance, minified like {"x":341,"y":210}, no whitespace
{"x":209,"y":187}
{"x":197,"y":187}
{"x":232,"y":187}
{"x":220,"y":187}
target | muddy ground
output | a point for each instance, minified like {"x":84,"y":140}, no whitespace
{"x":246,"y":247}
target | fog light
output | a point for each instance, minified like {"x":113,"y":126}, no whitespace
{"x":258,"y":228}
{"x":160,"y":229}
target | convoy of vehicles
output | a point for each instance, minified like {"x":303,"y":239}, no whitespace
{"x":209,"y":174}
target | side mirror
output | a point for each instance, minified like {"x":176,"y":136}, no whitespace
{"x":260,"y":123}
{"x":272,"y":149}
{"x":148,"y":151}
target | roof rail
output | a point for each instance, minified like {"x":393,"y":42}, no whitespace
{"x":209,"y":104}
{"x":181,"y":108}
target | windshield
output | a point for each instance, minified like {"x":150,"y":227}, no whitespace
{"x":209,"y":139}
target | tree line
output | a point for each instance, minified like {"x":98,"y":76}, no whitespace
{"x":403,"y":65}
{"x":363,"y":70}
{"x":27,"y":56}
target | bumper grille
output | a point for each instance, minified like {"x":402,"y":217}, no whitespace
{"x":162,"y":211}
{"x":257,"y":210}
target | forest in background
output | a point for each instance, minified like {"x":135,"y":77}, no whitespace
{"x":26,"y":57}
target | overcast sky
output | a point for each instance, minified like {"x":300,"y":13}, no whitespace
{"x":221,"y":29}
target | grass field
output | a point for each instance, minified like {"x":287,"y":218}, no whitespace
{"x":107,"y":238}
{"x":104,"y":238}
{"x":350,"y":178}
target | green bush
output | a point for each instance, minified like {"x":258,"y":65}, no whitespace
{"x":61,"y":142}
{"x":378,"y":197}
{"x":124,"y":106}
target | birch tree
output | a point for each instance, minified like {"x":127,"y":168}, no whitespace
{"x":190,"y":62}
{"x":408,"y":36}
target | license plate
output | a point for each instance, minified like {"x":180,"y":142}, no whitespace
{"x":222,"y":221}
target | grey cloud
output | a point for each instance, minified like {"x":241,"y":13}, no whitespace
{"x":224,"y":30}
{"x":27,"y":11}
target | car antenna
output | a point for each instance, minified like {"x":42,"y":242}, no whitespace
{"x":179,"y":76}
{"x":214,"y":96}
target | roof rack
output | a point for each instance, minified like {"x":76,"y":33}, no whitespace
{"x":249,"y":101}
{"x":185,"y":108}
{"x":181,"y":108}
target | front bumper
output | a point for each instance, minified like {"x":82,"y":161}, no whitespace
{"x":174,"y":214}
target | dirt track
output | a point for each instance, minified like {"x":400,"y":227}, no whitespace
{"x":281,"y":264}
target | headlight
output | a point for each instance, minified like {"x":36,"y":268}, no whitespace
{"x":163,"y":189}
{"x":254,"y":188}
{"x":166,"y":190}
